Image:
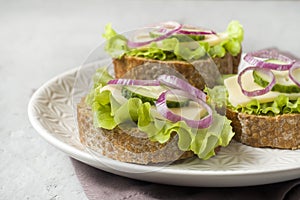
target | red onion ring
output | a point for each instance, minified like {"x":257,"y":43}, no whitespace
{"x":270,"y":54}
{"x":292,"y":77}
{"x":175,"y":27}
{"x":174,"y":82}
{"x":134,"y":82}
{"x":162,"y":108}
{"x":257,"y":92}
{"x":190,"y":30}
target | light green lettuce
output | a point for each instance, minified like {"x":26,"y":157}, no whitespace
{"x":217,"y":50}
{"x":235,"y":33}
{"x":281,"y":105}
{"x":232,"y":42}
{"x":116,"y":44}
{"x":172,"y":48}
{"x":108,"y":114}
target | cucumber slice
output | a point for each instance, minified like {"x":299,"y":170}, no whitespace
{"x":180,"y":37}
{"x":283,"y":83}
{"x":188,"y":38}
{"x":151,"y":93}
{"x":275,"y":61}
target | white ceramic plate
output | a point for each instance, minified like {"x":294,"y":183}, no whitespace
{"x":51,"y":114}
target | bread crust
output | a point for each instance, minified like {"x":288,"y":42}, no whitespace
{"x":227,"y":64}
{"x":127,"y":146}
{"x":280,"y":131}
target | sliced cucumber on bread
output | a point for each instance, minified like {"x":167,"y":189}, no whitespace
{"x":151,"y":93}
{"x":283,"y":83}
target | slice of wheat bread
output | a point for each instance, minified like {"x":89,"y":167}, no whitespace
{"x":130,"y":146}
{"x":227,"y":64}
{"x":281,"y":131}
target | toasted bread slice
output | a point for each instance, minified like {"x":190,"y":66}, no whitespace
{"x":281,"y":131}
{"x":130,"y":146}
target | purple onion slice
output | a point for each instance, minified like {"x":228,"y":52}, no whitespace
{"x":257,"y":92}
{"x":134,"y":82}
{"x":191,"y":30}
{"x":162,"y":108}
{"x":174,"y":82}
{"x":169,"y":31}
{"x":295,"y":67}
{"x":253,"y":59}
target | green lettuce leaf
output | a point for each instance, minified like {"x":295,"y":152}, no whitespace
{"x":116,"y":44}
{"x":218,"y":134}
{"x":235,"y":33}
{"x":233,"y":47}
{"x":153,"y":52}
{"x":217,"y":51}
{"x":100,"y":78}
{"x":108,"y":113}
{"x":109,"y":32}
{"x":102,"y":115}
{"x":217,"y":95}
{"x":189,"y":54}
{"x":170,"y":49}
{"x":281,"y":105}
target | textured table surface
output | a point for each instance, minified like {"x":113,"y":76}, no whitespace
{"x":41,"y":39}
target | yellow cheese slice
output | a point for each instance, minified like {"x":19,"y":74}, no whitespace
{"x":236,"y":97}
{"x":194,"y":111}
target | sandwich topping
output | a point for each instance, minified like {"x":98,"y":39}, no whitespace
{"x":269,"y":60}
{"x":174,"y":41}
{"x":270,"y":86}
{"x":173,"y":106}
